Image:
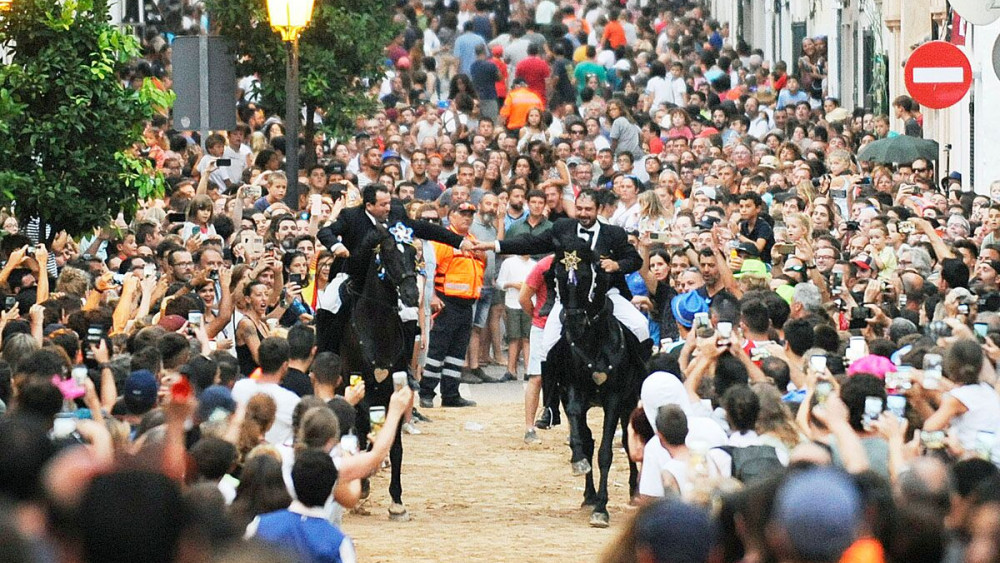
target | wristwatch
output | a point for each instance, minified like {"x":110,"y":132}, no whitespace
{"x":810,"y":266}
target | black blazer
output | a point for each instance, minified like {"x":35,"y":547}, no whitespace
{"x":612,"y":242}
{"x":353,"y":225}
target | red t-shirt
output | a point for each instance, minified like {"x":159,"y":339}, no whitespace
{"x":534,"y":71}
{"x":614,"y":33}
{"x":536,"y":281}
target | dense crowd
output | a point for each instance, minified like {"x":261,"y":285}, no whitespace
{"x":826,"y":330}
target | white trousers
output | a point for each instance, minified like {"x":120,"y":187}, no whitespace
{"x":624,"y":311}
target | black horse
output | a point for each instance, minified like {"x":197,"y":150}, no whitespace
{"x":597,"y":362}
{"x":375,"y":339}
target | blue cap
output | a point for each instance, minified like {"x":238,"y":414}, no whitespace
{"x":820,"y":510}
{"x":140,"y":392}
{"x":675,"y":531}
{"x":685,"y":305}
{"x":213,"y":398}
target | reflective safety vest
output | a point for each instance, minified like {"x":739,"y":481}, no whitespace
{"x":458,"y":274}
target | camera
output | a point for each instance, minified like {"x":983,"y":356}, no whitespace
{"x":852,"y":226}
{"x":963,"y":308}
{"x":937,"y":329}
{"x":213,"y":275}
{"x":220,"y":162}
{"x":861,"y":313}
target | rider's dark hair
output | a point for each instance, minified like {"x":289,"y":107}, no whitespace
{"x":370,"y":193}
{"x":273,"y":352}
{"x":589,"y":194}
{"x":301,"y":340}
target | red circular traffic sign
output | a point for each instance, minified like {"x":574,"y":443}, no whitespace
{"x":938,"y":74}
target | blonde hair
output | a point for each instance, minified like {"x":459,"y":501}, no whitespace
{"x":73,"y":281}
{"x":775,"y":418}
{"x":804,"y":220}
{"x":649,"y":205}
{"x":258,"y":142}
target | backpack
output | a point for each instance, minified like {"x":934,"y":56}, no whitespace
{"x":753,"y":463}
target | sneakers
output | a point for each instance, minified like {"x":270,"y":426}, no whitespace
{"x":421,"y":417}
{"x":470,"y":377}
{"x":410,"y":428}
{"x":426,"y":403}
{"x":486,"y":378}
{"x":508,"y":376}
{"x":531,"y":437}
{"x":457,"y":402}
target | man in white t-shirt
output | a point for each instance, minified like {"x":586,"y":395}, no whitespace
{"x":511,"y":278}
{"x":659,"y":389}
{"x":272,"y":356}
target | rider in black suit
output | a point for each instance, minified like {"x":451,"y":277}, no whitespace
{"x":352,"y":226}
{"x":609,"y":242}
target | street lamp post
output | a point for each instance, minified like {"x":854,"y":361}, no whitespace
{"x":290,"y":17}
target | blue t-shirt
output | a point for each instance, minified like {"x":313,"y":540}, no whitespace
{"x":484,"y":75}
{"x":465,"y":50}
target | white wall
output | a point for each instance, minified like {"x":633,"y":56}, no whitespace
{"x":987,"y":111}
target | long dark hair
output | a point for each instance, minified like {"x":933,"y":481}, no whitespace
{"x":261,"y":490}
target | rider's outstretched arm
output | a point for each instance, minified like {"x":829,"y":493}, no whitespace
{"x":430,"y":231}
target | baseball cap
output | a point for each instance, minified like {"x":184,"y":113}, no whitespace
{"x":818,"y":531}
{"x":464,"y":207}
{"x":336,"y":168}
{"x":685,"y":305}
{"x":862,"y":261}
{"x":707,"y":191}
{"x":752,"y":267}
{"x":172,"y":323}
{"x":140,"y":392}
{"x":708,"y":222}
{"x":390,"y":154}
{"x":770,"y":162}
{"x":214,"y":398}
{"x":748,"y":248}
{"x":498,"y":50}
{"x":675,"y":531}
{"x":574,"y":161}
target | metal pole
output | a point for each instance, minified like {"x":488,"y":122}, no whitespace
{"x":203,"y":113}
{"x":292,"y":126}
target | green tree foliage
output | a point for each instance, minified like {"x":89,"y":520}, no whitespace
{"x":342,"y":47}
{"x":67,"y":124}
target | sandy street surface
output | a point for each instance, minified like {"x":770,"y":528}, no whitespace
{"x":484,"y":495}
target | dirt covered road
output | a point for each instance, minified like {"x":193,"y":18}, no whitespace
{"x":476,"y":492}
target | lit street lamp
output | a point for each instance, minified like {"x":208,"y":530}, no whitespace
{"x":290,"y":17}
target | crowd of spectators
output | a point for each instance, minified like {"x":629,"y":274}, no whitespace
{"x":826,"y":330}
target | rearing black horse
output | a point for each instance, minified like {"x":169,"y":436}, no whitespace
{"x":374,"y":343}
{"x":598,"y":362}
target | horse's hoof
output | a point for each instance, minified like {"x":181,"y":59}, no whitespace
{"x":588,"y":503}
{"x":600,"y":520}
{"x":581,"y":467}
{"x":398,"y":513}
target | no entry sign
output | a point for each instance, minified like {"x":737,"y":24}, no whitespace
{"x":938,"y":74}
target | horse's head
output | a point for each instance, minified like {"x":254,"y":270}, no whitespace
{"x":396,"y":258}
{"x":575,"y":275}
